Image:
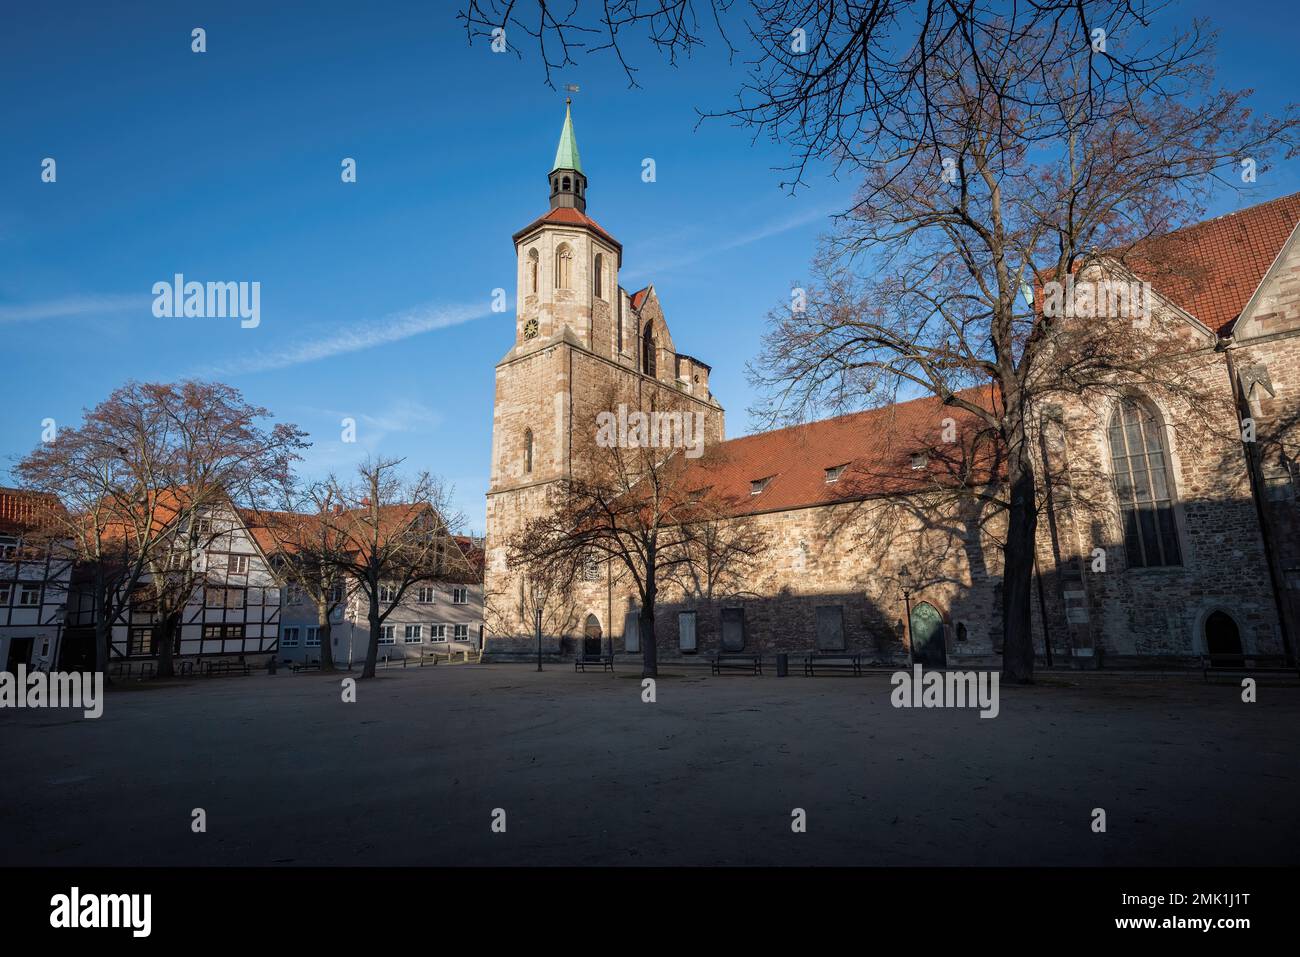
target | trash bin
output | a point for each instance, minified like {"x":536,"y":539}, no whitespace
{"x":782,"y":665}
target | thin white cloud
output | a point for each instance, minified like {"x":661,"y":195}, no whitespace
{"x":340,"y":340}
{"x":71,"y":307}
{"x":774,"y":228}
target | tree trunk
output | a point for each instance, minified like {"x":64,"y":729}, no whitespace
{"x":170,"y":628}
{"x":1018,"y":566}
{"x":103,"y":627}
{"x":372,"y":647}
{"x":323,"y":627}
{"x":649,"y":647}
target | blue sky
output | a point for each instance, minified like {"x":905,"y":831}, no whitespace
{"x":376,"y":295}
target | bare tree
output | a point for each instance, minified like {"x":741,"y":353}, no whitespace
{"x":939,"y":278}
{"x":309,"y":548}
{"x":395,"y":534}
{"x":633,"y":504}
{"x":138,"y":473}
{"x":841,"y":81}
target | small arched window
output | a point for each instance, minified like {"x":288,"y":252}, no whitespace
{"x":648,"y":350}
{"x":563,"y":267}
{"x":566,"y":184}
{"x":528,"y":450}
{"x":1144,"y":485}
{"x":532,"y":270}
{"x":598,"y":275}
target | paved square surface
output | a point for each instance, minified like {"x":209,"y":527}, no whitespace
{"x":709,"y":774}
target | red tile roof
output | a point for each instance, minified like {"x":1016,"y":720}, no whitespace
{"x":638,"y":297}
{"x":568,"y":216}
{"x":24,"y":511}
{"x":875,"y":446}
{"x":1211,"y":269}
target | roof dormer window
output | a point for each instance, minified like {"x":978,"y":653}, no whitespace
{"x":757,"y":485}
{"x":834,"y":472}
{"x":919,"y":460}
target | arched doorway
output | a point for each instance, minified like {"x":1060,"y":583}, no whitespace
{"x":927,"y":636}
{"x":1221,"y":635}
{"x":591,"y":636}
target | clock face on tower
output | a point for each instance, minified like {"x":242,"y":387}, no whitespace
{"x":530,"y":329}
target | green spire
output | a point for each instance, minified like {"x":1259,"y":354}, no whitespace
{"x":566,"y":155}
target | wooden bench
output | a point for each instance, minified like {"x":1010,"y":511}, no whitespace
{"x":214,"y":669}
{"x":833,"y":660}
{"x":305,"y":666}
{"x":581,"y":662}
{"x":751,"y":663}
{"x":124,"y":669}
{"x":1245,"y":664}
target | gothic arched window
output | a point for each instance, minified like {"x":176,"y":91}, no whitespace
{"x":1144,"y":485}
{"x":648,"y":350}
{"x":532,"y":270}
{"x":563,"y":267}
{"x":598,"y":275}
{"x":528,"y":450}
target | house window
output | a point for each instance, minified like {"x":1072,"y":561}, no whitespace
{"x":598,"y":275}
{"x":757,"y":485}
{"x":6,"y":593}
{"x":387,"y":592}
{"x":336,"y":593}
{"x":29,"y":595}
{"x":920,"y":460}
{"x":413,"y":634}
{"x":8,"y":547}
{"x":437,"y":632}
{"x":563,"y":267}
{"x":176,"y":560}
{"x":460,"y":633}
{"x":289,"y":638}
{"x":528,"y":450}
{"x":1144,"y":485}
{"x":426,"y":595}
{"x":648,"y":350}
{"x":139,"y":642}
{"x":387,"y":634}
{"x":833,"y":474}
{"x":532,"y":270}
{"x":460,"y":596}
{"x":203,"y":526}
{"x":313,"y":638}
{"x":238,"y":564}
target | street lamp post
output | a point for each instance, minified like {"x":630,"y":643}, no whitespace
{"x":907,"y":583}
{"x":539,"y":638}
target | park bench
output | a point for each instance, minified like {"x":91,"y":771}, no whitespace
{"x":832,"y":660}
{"x":750,"y":663}
{"x":581,"y":662}
{"x":1245,"y":664}
{"x":305,"y":666}
{"x":215,"y":669}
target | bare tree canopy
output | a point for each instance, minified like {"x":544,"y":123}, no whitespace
{"x":394,"y":533}
{"x":136,"y":473}
{"x":844,"y":81}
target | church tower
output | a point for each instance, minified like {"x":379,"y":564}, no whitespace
{"x":577,"y":334}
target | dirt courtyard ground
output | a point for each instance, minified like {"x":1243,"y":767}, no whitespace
{"x":710,"y":773}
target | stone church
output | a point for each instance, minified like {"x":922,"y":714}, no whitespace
{"x":1200,"y":530}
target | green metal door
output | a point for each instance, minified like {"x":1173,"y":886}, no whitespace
{"x":927,"y":636}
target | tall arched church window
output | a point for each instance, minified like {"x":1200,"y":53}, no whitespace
{"x":1144,"y":485}
{"x":648,"y":350}
{"x":532,"y":270}
{"x":563,"y":267}
{"x":598,"y":275}
{"x":528,"y":450}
